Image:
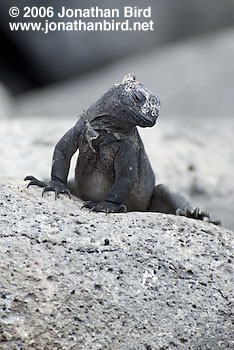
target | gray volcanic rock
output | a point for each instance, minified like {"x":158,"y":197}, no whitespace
{"x":71,"y":279}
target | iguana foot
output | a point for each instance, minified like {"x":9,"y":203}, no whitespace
{"x":197,"y":214}
{"x":55,"y":186}
{"x":106,"y":207}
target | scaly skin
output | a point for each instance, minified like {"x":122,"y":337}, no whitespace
{"x":113,"y":173}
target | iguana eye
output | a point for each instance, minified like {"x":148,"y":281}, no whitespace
{"x":138,"y":96}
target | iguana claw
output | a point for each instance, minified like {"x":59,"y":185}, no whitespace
{"x":106,"y":207}
{"x":54,"y":186}
{"x":197,"y":214}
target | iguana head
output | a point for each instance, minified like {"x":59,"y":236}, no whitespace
{"x":141,"y":104}
{"x":125,"y":106}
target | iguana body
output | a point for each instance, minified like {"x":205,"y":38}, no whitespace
{"x":113,"y":172}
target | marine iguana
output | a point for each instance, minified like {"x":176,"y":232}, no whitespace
{"x":113,"y":173}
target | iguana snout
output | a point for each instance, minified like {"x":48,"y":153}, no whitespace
{"x":144,"y":106}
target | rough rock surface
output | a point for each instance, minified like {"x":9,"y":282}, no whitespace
{"x":77,"y":280}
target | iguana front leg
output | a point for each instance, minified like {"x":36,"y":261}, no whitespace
{"x":125,"y":172}
{"x":63,"y":152}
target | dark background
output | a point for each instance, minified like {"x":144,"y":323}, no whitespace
{"x":32,"y":59}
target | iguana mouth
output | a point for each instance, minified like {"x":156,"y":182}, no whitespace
{"x":148,"y":119}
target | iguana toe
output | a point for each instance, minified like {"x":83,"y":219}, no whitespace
{"x":198,"y":215}
{"x":34,"y":181}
